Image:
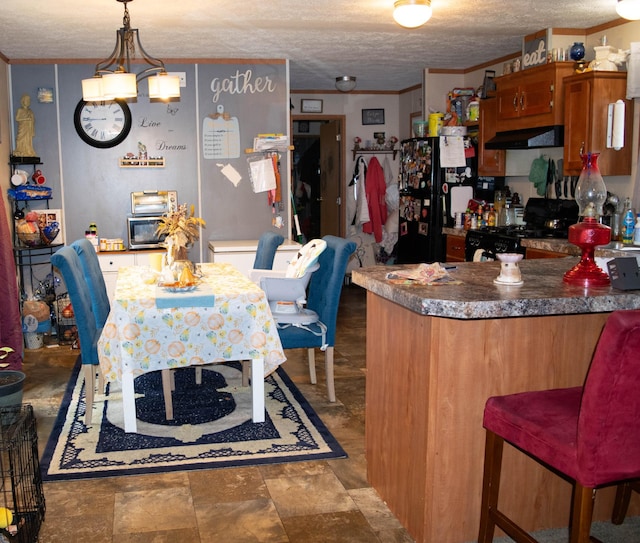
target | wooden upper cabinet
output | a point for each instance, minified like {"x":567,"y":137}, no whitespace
{"x":586,"y":98}
{"x":532,"y":98}
{"x":491,"y":162}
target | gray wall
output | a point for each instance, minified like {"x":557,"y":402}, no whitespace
{"x":89,"y":184}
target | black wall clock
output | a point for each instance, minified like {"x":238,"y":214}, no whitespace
{"x":102,"y":124}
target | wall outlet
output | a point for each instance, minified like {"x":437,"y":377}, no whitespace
{"x":182,"y":76}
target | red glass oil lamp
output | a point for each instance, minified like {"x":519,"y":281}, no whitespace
{"x":589,"y":233}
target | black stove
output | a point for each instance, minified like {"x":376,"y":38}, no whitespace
{"x":484,"y":243}
{"x":526,"y":231}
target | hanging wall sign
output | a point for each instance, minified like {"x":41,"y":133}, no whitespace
{"x":220,"y":135}
{"x":535,"y":48}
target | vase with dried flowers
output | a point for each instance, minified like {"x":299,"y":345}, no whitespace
{"x":182,"y":230}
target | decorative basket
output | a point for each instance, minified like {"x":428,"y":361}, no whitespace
{"x":30,"y":239}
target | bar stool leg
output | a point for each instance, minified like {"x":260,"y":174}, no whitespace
{"x":490,"y":486}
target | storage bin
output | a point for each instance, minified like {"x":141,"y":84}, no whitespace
{"x":33,"y":340}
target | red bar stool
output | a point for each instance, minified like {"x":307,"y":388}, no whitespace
{"x":588,"y":434}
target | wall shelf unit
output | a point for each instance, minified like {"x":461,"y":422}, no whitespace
{"x":393,"y":152}
{"x":155,"y":162}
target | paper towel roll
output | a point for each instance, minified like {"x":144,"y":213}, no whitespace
{"x":618,"y":125}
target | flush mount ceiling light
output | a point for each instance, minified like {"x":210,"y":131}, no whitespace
{"x":345,"y":83}
{"x":113,"y":77}
{"x":412,"y":13}
{"x":628,"y":9}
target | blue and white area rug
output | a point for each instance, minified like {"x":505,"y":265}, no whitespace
{"x":212,"y":427}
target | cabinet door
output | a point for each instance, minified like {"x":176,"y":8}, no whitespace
{"x":491,"y":162}
{"x":536,"y":98}
{"x":587,"y":98}
{"x":508,"y":103}
{"x":455,"y":249}
{"x":577,"y":121}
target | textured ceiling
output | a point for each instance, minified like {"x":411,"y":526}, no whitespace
{"x":323,"y":39}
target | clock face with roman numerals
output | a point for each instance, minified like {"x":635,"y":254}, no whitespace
{"x":102,"y":124}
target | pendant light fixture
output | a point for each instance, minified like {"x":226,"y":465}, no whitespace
{"x":412,"y":13}
{"x":629,"y":9}
{"x":113,"y":77}
{"x":346,"y":83}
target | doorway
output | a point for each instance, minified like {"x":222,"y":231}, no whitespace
{"x":318,"y":175}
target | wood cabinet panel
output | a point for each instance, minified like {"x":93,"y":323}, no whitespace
{"x":532,"y":98}
{"x":541,"y":253}
{"x":587,"y":97}
{"x":455,"y":249}
{"x":491,"y":162}
{"x":428,"y":379}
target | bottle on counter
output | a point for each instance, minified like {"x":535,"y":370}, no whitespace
{"x":636,"y":231}
{"x":628,"y":222}
{"x":492,"y":218}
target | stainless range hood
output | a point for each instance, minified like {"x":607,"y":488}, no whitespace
{"x":528,"y":138}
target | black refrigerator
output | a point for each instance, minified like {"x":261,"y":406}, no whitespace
{"x":426,"y":193}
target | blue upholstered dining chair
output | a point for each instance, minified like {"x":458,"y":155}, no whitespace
{"x":93,"y":274}
{"x":325,"y":288}
{"x":68,"y":263}
{"x":265,"y":253}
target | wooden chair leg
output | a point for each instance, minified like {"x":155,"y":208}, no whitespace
{"x":623,"y":497}
{"x":246,"y":372}
{"x":494,"y":445}
{"x":311,"y":353}
{"x":89,"y":373}
{"x":328,"y":365}
{"x":100,"y":381}
{"x":581,"y":513}
{"x":166,"y":390}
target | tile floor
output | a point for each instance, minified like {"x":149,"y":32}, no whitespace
{"x":305,"y":502}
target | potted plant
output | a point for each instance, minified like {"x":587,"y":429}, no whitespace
{"x":182,"y":230}
{"x":11,"y":382}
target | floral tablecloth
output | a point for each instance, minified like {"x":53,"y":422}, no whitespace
{"x":138,"y":337}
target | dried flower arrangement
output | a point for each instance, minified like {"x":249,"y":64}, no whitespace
{"x":181,"y":225}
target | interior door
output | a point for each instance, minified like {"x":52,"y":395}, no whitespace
{"x":330,"y":168}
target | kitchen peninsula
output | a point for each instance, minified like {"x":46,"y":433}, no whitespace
{"x":434,"y":356}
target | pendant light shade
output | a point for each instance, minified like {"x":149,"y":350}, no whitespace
{"x":92,"y":89}
{"x":412,"y":13}
{"x":629,"y":9}
{"x":345,"y":83}
{"x":164,"y":86}
{"x":119,"y":85}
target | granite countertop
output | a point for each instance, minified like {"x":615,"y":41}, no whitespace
{"x":478,"y":297}
{"x":562,"y":245}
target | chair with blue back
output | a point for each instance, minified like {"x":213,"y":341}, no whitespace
{"x":93,"y":274}
{"x":266,"y":251}
{"x":89,"y":325}
{"x":323,"y":297}
{"x":68,"y":263}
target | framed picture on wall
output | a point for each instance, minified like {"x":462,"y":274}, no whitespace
{"x":303,"y":127}
{"x":311,"y":106}
{"x":372,"y":116}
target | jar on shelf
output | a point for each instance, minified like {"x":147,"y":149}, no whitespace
{"x":577,"y":51}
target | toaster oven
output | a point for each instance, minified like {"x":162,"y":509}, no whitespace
{"x":147,"y":210}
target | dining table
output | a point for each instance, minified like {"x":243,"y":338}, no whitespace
{"x":152,"y":327}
